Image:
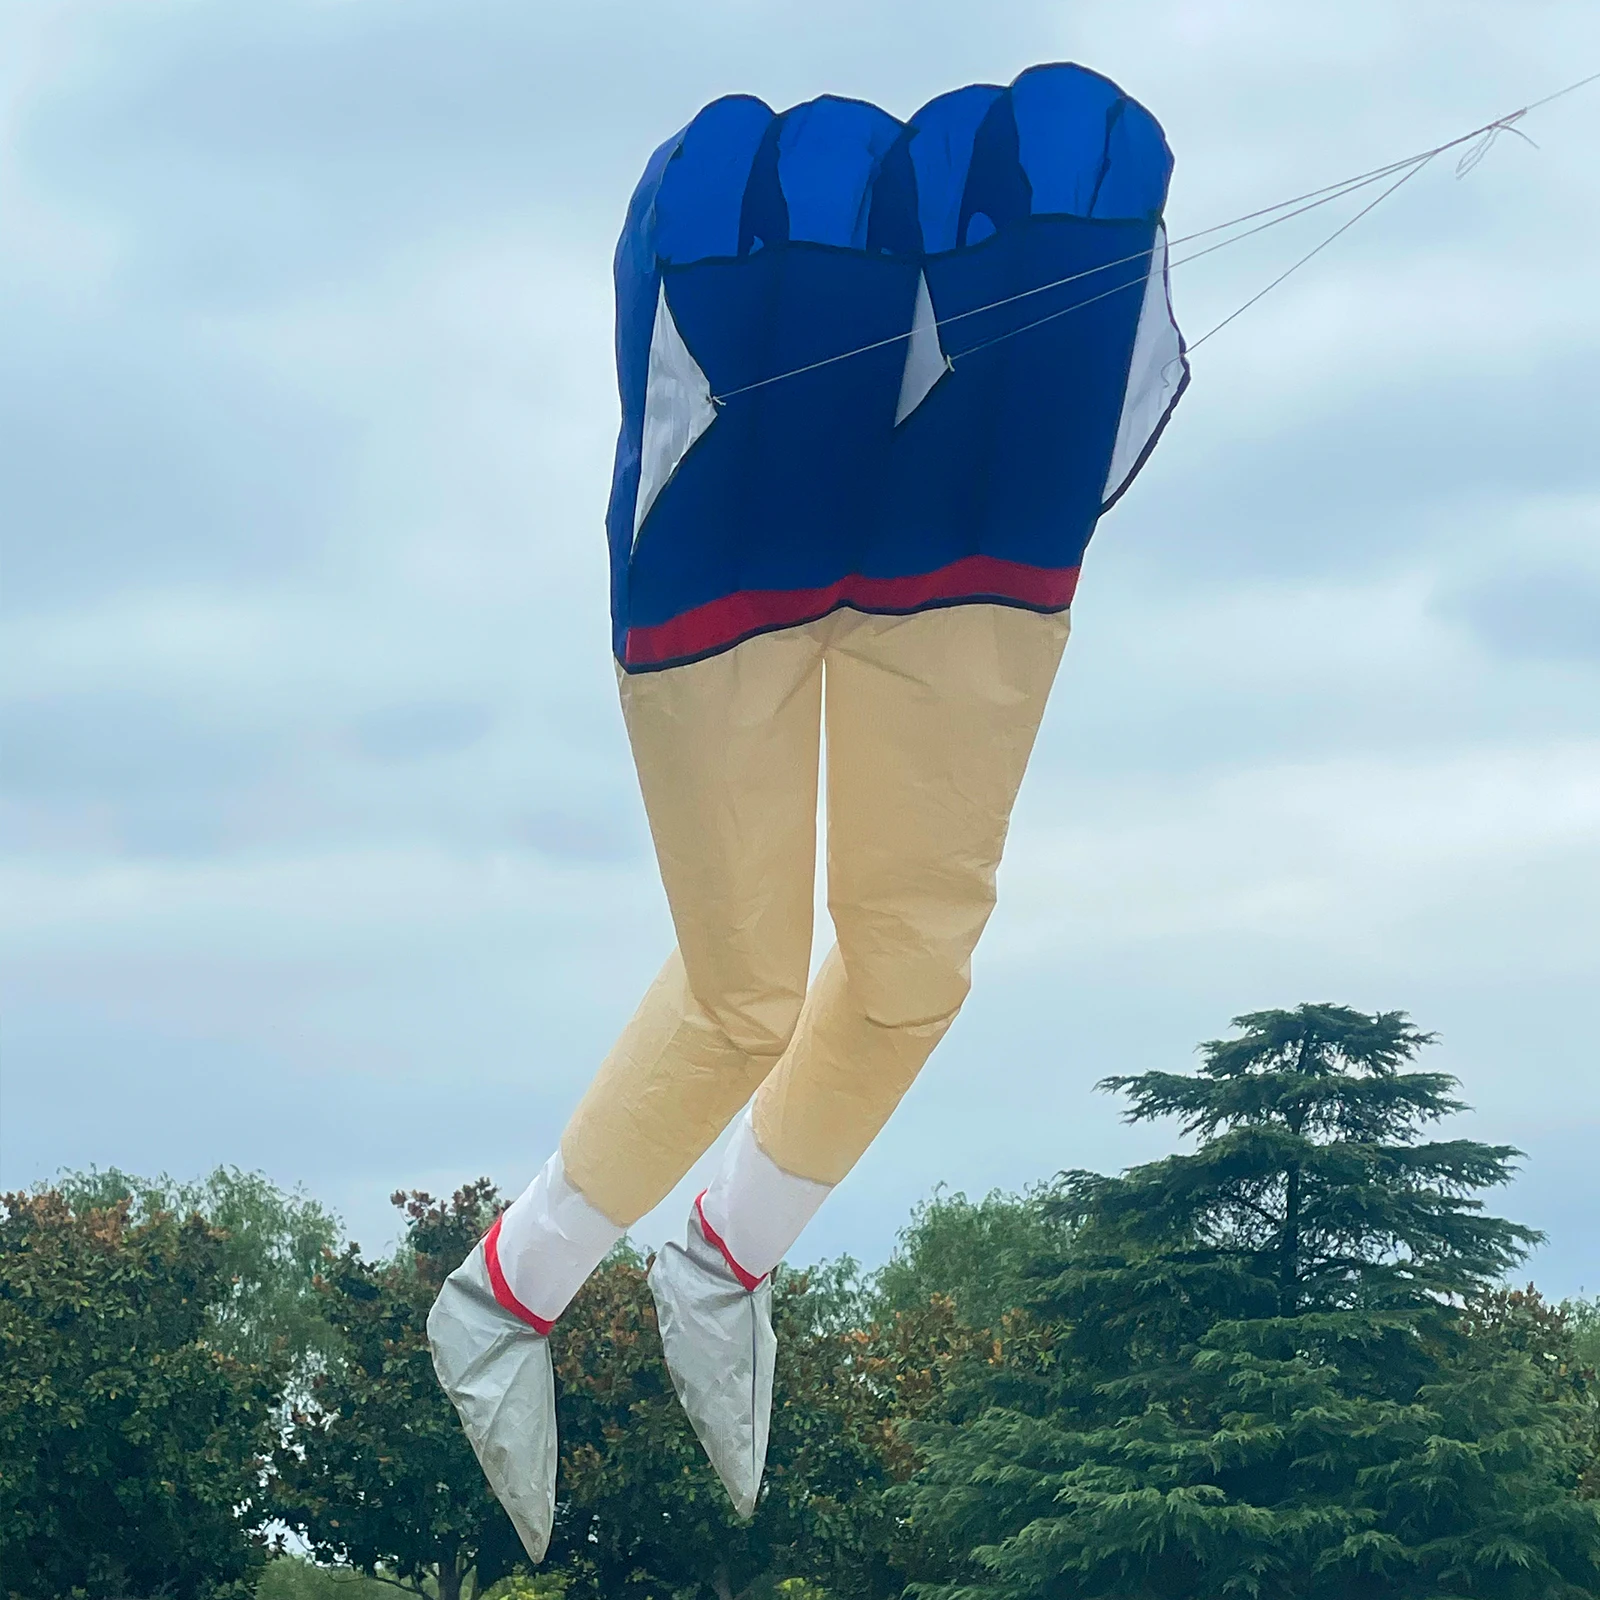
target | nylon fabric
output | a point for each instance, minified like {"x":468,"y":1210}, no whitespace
{"x":1156,"y":376}
{"x":498,"y":1374}
{"x":721,"y":1353}
{"x":863,"y":448}
{"x":727,"y":752}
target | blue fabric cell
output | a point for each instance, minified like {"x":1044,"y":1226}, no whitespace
{"x":1138,"y":166}
{"x":1062,"y":119}
{"x":893,"y":225}
{"x":997,"y":193}
{"x":940,"y":148}
{"x":702,"y":189}
{"x":829,"y":152}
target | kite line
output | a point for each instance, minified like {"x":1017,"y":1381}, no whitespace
{"x":1481,"y":140}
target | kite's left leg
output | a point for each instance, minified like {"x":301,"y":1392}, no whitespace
{"x":930,"y":721}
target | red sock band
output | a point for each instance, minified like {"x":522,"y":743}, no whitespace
{"x":711,"y":1233}
{"x":502,"y":1289}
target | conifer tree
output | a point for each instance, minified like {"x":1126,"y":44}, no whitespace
{"x":1255,"y":1381}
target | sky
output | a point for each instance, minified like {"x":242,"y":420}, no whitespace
{"x":322,"y":851}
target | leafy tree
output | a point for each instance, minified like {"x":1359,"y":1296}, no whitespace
{"x":1524,"y":1321}
{"x":1583,"y":1318}
{"x":377,"y":1473}
{"x":271,"y":1250}
{"x":1254,"y":1378}
{"x":131,"y":1445}
{"x":291,"y":1577}
{"x":1560,"y":1344}
{"x":1583,"y":1328}
{"x":979,"y":1254}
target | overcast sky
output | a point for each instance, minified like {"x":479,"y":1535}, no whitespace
{"x":323,"y":852}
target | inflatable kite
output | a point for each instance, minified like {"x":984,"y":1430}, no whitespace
{"x":879,"y":381}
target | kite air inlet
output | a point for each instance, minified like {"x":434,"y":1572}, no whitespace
{"x":863,"y":448}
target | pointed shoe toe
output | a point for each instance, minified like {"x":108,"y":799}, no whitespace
{"x":496,"y":1369}
{"x":720,"y":1351}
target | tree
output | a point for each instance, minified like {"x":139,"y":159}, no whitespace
{"x":1562,"y":1343}
{"x":376,"y":1471}
{"x":271,"y":1247}
{"x":1583,"y":1319}
{"x":1312,"y":1172}
{"x":131,"y":1445}
{"x":981,"y":1255}
{"x":1254,"y":1378}
{"x":293,"y":1577}
{"x":1583,"y":1327}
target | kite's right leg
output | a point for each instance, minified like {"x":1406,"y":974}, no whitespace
{"x":727,"y":752}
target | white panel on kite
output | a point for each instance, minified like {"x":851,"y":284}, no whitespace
{"x":677,"y":409}
{"x":925,"y":358}
{"x":551,"y":1224}
{"x":1155,"y":375}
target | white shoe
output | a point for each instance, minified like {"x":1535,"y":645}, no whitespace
{"x":716,"y":1333}
{"x":494,"y":1361}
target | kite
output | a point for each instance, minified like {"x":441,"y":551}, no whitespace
{"x":879,"y":381}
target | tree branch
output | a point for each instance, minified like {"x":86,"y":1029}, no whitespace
{"x":1266,"y":1216}
{"x":394,"y":1583}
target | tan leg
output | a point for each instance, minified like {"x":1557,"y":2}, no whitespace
{"x":727,"y":752}
{"x":930,"y":722}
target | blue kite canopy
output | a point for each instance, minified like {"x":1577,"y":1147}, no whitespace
{"x":984,"y":412}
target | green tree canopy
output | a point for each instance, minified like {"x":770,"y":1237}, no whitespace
{"x":131,"y":1443}
{"x":1583,"y":1318}
{"x":1312,"y":1171}
{"x":1255,"y":1380}
{"x":980,"y":1254}
{"x":1562,"y":1344}
{"x":271,"y":1247}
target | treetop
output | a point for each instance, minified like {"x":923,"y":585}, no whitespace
{"x":1323,"y":1070}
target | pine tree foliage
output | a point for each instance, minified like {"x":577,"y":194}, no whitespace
{"x":1255,"y":1380}
{"x":1311,"y":1169}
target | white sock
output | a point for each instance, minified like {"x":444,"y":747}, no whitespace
{"x":551,"y":1239}
{"x":754,"y":1210}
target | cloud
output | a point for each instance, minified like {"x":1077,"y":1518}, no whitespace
{"x":319,"y":826}
{"x":1542,"y":613}
{"x":414,"y":732}
{"x":132,"y":457}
